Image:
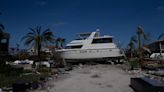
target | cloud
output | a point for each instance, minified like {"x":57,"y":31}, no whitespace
{"x":59,"y":24}
{"x":41,"y":3}
{"x":160,"y":8}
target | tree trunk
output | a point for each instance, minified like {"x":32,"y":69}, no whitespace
{"x":160,"y":48}
{"x":139,"y":48}
{"x":39,"y":49}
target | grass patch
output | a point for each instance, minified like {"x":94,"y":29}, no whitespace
{"x":44,"y":70}
{"x":7,"y":81}
{"x":132,"y":63}
{"x":9,"y":75}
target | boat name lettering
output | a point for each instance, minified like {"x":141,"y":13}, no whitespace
{"x":84,"y":51}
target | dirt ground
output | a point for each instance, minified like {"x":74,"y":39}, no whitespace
{"x":93,"y":78}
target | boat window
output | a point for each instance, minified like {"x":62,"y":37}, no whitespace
{"x":78,"y":39}
{"x":74,"y":47}
{"x":102,"y":40}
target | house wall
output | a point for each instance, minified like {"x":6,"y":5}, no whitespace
{"x":154,"y":47}
{"x":4,"y":44}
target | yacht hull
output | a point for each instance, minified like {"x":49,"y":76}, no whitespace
{"x":81,"y":54}
{"x":91,"y":46}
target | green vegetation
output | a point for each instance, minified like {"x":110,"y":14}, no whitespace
{"x":37,"y":39}
{"x":133,"y":63}
{"x":131,"y":46}
{"x":44,"y":70}
{"x":140,"y":34}
{"x":137,"y":46}
{"x":134,"y":54}
{"x":10,"y":74}
{"x":8,"y":70}
{"x":60,"y":42}
{"x":7,"y":81}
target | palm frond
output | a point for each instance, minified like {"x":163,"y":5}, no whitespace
{"x":38,"y":30}
{"x":146,"y":36}
{"x":45,"y":31}
{"x":31,"y":33}
{"x":133,"y":39}
{"x":32,"y":30}
{"x":140,"y":30}
{"x":161,"y":36}
{"x":37,"y":38}
{"x":27,"y":37}
{"x":28,"y":41}
{"x":63,"y":39}
{"x":48,"y":36}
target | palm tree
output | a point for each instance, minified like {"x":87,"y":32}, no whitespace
{"x":60,"y":42}
{"x":140,"y":35}
{"x":38,"y":39}
{"x":131,"y":45}
{"x":57,"y":41}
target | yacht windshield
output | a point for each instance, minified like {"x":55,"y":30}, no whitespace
{"x":102,"y":40}
{"x":83,"y":36}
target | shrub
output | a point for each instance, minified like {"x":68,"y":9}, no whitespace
{"x":44,"y":70}
{"x":133,"y":63}
{"x":8,"y":70}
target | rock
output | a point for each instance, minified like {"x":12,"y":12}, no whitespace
{"x":95,"y":76}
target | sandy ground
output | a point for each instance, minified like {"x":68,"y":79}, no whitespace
{"x":95,"y":78}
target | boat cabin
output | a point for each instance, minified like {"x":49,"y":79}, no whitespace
{"x":102,"y":40}
{"x":89,"y":38}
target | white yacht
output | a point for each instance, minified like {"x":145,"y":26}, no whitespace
{"x":91,"y":46}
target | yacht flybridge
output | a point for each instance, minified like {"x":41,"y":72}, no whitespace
{"x":91,"y":46}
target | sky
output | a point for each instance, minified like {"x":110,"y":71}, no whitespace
{"x":66,"y":18}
